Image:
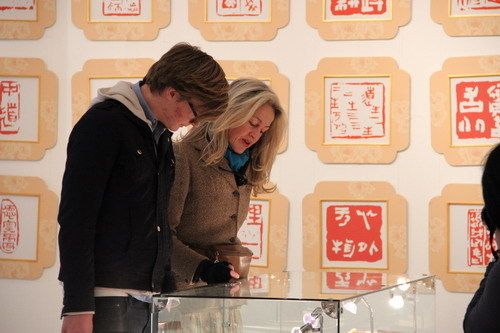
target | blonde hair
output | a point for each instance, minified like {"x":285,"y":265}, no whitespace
{"x":245,"y":97}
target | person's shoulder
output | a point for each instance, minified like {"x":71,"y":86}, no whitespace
{"x":493,"y":268}
{"x":188,"y":152}
{"x":107,"y":113}
{"x":106,"y":109}
{"x":183,"y":147}
{"x":102,"y":119}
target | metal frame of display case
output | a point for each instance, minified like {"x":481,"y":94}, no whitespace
{"x":407,"y":305}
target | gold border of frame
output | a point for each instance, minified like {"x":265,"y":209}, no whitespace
{"x":439,"y":236}
{"x":47,"y":109}
{"x":397,"y":260}
{"x":236,"y":30}
{"x":30,"y":29}
{"x":123,"y":30}
{"x":478,"y":25}
{"x":277,"y":234}
{"x":356,"y":29}
{"x":47,"y":227}
{"x":104,"y":69}
{"x":440,"y":107}
{"x":399,"y":110}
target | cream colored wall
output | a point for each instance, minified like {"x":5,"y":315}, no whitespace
{"x":418,"y":173}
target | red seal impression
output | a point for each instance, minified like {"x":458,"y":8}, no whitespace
{"x":9,"y":227}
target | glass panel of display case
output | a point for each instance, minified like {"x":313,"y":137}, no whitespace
{"x":407,"y":305}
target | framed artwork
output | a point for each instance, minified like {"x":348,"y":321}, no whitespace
{"x":465,"y":104}
{"x":28,"y":227}
{"x":262,"y":70}
{"x":99,"y":73}
{"x":238,"y":19}
{"x":467,"y":18}
{"x":267,"y":220}
{"x":459,"y":248}
{"x":365,"y":19}
{"x":347,"y":227}
{"x":26,"y":19}
{"x":357,"y":110}
{"x":28,"y":109}
{"x":121,"y":20}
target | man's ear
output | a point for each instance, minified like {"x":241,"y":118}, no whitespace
{"x":170,"y":93}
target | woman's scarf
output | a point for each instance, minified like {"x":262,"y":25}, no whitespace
{"x":236,"y":161}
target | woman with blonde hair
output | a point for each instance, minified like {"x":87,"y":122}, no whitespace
{"x":219,"y":165}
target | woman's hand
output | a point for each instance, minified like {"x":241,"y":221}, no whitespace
{"x":233,"y":273}
{"x":218,"y":272}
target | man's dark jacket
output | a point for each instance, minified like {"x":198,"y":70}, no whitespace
{"x":113,"y":216}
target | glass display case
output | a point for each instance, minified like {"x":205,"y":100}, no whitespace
{"x":302,"y":302}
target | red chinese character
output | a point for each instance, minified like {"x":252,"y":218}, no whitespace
{"x":478,"y":109}
{"x":479,"y":253}
{"x":121,"y":7}
{"x":239,"y":7}
{"x":252,"y":231}
{"x":20,"y":5}
{"x":10,"y":107}
{"x":353,"y":233}
{"x":357,"y":110}
{"x":358,"y":7}
{"x":9,"y":227}
{"x":353,"y":280}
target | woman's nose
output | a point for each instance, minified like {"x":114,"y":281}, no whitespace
{"x":254,"y":133}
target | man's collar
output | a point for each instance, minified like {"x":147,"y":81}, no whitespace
{"x":147,"y":111}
